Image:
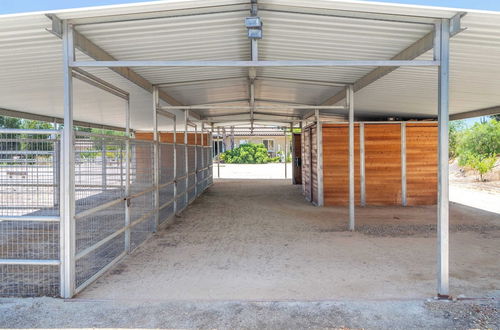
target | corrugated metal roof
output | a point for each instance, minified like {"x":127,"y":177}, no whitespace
{"x":31,"y":60}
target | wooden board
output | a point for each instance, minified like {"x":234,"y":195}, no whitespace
{"x":306,"y":163}
{"x":336,"y":164}
{"x":383,"y":164}
{"x":297,"y":159}
{"x":314,"y":165}
{"x":168,"y":137}
{"x":421,"y":163}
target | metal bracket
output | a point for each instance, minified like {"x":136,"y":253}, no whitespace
{"x":57,"y":26}
{"x":455,"y":24}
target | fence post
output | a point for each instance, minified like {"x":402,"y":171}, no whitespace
{"x":67,"y":224}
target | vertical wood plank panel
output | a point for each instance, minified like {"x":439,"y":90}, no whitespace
{"x":421,"y":160}
{"x":336,"y":164}
{"x":383,"y":164}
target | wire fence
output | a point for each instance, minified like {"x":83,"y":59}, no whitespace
{"x":115,"y":206}
{"x":29,"y":212}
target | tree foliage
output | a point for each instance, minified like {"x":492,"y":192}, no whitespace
{"x":479,"y":146}
{"x":249,"y":153}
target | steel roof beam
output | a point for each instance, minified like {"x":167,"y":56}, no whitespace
{"x":161,"y":14}
{"x":350,"y":14}
{"x":53,"y":119}
{"x":476,"y":113}
{"x":420,"y":47}
{"x":92,"y":50}
{"x":112,"y":63}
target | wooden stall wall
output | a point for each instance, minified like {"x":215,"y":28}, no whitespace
{"x":383,"y":161}
{"x":336,"y":164}
{"x":421,"y":163}
{"x":383,"y":164}
{"x":314,"y":165}
{"x":306,"y":163}
{"x":168,"y":137}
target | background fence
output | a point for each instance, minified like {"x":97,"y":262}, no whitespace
{"x":29,"y":212}
{"x":115,"y":207}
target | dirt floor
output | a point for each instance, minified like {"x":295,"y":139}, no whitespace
{"x":260,"y":240}
{"x":254,"y":254}
{"x":402,"y":314}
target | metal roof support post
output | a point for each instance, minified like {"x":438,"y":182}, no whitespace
{"x":319,"y":153}
{"x":350,"y":98}
{"x":285,"y":152}
{"x":156,"y":159}
{"x":195,"y":162}
{"x":292,"y":151}
{"x":202,"y":148}
{"x":175,"y":164}
{"x":219,"y":150}
{"x":186,"y":156}
{"x":403,"y":164}
{"x":127,"y":177}
{"x":67,"y":225}
{"x":443,"y":189}
{"x":362,"y":177}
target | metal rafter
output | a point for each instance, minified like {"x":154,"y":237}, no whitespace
{"x":420,"y":47}
{"x":87,"y":47}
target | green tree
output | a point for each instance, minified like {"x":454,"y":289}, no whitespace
{"x":455,"y":131}
{"x":9,"y":122}
{"x":249,"y":153}
{"x":479,"y":146}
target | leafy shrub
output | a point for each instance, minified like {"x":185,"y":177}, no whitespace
{"x":249,"y":153}
{"x":481,"y":164}
{"x":479,"y":146}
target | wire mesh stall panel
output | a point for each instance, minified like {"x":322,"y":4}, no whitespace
{"x":142,"y":191}
{"x":209,"y":166}
{"x":191,"y":188}
{"x":181,"y":177}
{"x":166,"y":182}
{"x":29,"y":212}
{"x":100,"y":223}
{"x":200,"y":174}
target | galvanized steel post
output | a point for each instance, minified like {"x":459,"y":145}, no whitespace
{"x":362,"y":177}
{"x":67,"y":225}
{"x":350,"y":99}
{"x":403,"y":164}
{"x":127,"y":178}
{"x":156,"y":167}
{"x":443,"y":189}
{"x":319,"y":155}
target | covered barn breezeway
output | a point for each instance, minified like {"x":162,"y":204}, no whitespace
{"x":159,"y":80}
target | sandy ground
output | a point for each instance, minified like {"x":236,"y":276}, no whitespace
{"x":56,"y":313}
{"x":254,"y":254}
{"x":253,"y":171}
{"x":259,"y":240}
{"x":466,"y":189}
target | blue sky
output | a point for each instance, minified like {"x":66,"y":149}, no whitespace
{"x":18,"y":6}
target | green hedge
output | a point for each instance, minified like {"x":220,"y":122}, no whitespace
{"x":249,"y":153}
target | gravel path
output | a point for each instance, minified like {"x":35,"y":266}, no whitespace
{"x":409,"y":314}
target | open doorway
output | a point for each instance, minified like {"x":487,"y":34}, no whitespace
{"x":262,"y":152}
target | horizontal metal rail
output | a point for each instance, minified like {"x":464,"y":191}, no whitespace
{"x":100,"y":272}
{"x":104,"y":206}
{"x":166,"y":204}
{"x":141,"y":193}
{"x":83,"y":133}
{"x":28,"y":131}
{"x":252,"y":64}
{"x":34,"y":262}
{"x":30,"y":218}
{"x":108,"y":238}
{"x":257,"y":107}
